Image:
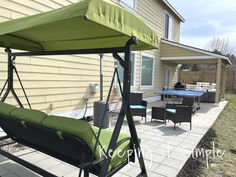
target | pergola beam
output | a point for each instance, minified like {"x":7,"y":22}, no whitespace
{"x":224,"y":81}
{"x":218,"y":80}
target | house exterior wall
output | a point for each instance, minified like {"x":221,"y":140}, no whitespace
{"x":53,"y":83}
{"x":153,"y":13}
{"x":60,"y":83}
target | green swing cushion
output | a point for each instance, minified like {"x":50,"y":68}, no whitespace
{"x":6,"y":109}
{"x":28,"y":115}
{"x":88,"y":133}
{"x":79,"y":128}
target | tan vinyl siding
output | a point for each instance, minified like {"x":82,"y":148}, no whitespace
{"x":176,"y":30}
{"x":153,"y":13}
{"x":59,"y":83}
{"x":53,"y":83}
{"x":158,"y":74}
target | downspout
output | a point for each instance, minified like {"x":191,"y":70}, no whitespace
{"x":101,"y":76}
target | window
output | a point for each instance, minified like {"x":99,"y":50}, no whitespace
{"x":130,"y":4}
{"x":168,"y":27}
{"x":121,"y":70}
{"x":147,"y":71}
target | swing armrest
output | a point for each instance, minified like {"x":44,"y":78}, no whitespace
{"x":144,"y":103}
{"x":121,"y":142}
{"x":95,"y":162}
{"x":131,"y":156}
{"x":90,"y":164}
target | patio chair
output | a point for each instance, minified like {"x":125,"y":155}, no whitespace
{"x":179,"y":114}
{"x":187,"y":101}
{"x":138,"y":107}
{"x":158,"y":113}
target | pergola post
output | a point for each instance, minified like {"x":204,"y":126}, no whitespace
{"x":218,"y":81}
{"x":224,"y":81}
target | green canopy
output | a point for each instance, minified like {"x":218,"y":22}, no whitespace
{"x":88,"y":24}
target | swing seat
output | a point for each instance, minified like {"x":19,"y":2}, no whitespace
{"x":67,"y":139}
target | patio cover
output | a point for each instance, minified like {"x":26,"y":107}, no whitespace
{"x":173,"y":53}
{"x":88,"y":24}
{"x":176,"y":53}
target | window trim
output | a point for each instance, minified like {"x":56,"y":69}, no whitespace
{"x":147,"y":87}
{"x":123,"y":4}
{"x":170,"y":16}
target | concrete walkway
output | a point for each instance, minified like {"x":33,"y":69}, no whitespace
{"x":166,"y":150}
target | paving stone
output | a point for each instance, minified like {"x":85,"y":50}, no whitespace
{"x":34,"y":157}
{"x":133,"y":171}
{"x":2,"y":159}
{"x":126,"y":168}
{"x":48,"y":163}
{"x":154,"y":157}
{"x":158,"y":139}
{"x":167,"y":147}
{"x":3,"y":171}
{"x":153,"y":174}
{"x":24,"y":152}
{"x":179,"y":156}
{"x":120,"y":175}
{"x":9,"y":175}
{"x":62,"y":170}
{"x":160,"y":151}
{"x":73,"y":174}
{"x":167,"y":171}
{"x":23,"y":172}
{"x":188,"y":146}
{"x":177,"y":164}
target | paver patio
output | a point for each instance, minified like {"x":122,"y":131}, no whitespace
{"x":166,"y":150}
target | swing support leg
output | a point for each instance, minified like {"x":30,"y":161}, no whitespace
{"x":125,"y":112}
{"x":10,"y":80}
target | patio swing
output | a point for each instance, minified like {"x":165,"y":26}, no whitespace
{"x":74,"y":141}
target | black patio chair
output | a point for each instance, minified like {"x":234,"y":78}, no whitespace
{"x":187,"y":101}
{"x":138,"y":107}
{"x":179,"y":114}
{"x":158,"y":113}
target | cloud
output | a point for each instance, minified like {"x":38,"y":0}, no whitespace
{"x":201,"y":42}
{"x":206,"y":19}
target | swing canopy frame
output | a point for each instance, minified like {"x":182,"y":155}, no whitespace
{"x":86,"y":27}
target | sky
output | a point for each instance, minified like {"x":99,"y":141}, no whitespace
{"x":205,"y":19}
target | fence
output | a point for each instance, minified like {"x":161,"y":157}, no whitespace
{"x":191,"y":77}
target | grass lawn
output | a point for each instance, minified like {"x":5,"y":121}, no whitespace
{"x":223,"y":136}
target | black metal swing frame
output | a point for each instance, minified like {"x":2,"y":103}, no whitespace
{"x":124,"y":112}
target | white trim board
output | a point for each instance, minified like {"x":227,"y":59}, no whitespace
{"x":188,"y":58}
{"x":174,"y":10}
